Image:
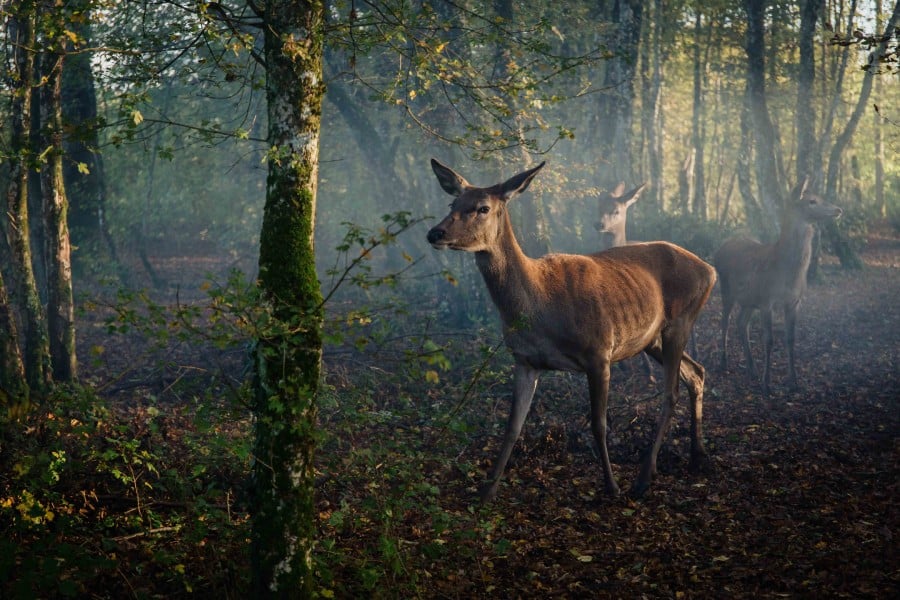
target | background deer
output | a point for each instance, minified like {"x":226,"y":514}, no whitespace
{"x":614,"y":214}
{"x":760,"y":277}
{"x":580,"y":313}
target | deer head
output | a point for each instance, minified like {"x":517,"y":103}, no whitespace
{"x":477,"y":215}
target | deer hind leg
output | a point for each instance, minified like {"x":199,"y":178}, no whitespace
{"x":790,"y":327}
{"x":693,"y":374}
{"x":768,"y":342}
{"x":598,"y":383}
{"x":727,"y":305}
{"x":743,"y":329}
{"x":524,"y":383}
{"x":670,"y":355}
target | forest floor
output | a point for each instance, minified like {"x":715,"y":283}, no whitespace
{"x":799,"y":498}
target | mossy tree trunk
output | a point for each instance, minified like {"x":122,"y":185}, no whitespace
{"x":288,"y":358}
{"x":13,"y":390}
{"x":36,"y":354}
{"x":60,"y":301}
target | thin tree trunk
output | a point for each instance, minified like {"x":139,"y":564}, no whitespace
{"x":805,"y":116}
{"x":288,"y":361}
{"x":83,"y":173}
{"x":878,"y":138}
{"x":767,"y":179}
{"x":21,"y":29}
{"x":616,"y":106}
{"x":60,"y":301}
{"x":699,"y":180}
{"x":844,"y":251}
{"x":651,"y":117}
{"x":13,"y":389}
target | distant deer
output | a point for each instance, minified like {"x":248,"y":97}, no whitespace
{"x":580,"y":313}
{"x":614,"y":213}
{"x":611,"y":226}
{"x":760,"y":277}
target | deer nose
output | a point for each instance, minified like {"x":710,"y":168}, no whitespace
{"x":435,"y":235}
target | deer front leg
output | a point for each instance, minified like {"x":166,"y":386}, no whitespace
{"x":598,"y":384}
{"x":524,"y":383}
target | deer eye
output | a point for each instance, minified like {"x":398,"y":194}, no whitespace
{"x":483,"y":210}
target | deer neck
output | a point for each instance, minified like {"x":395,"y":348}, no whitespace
{"x":614,"y":238}
{"x":508,"y":273}
{"x":794,"y":249}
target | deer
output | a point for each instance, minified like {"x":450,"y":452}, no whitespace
{"x":614,"y":213}
{"x":614,"y":207}
{"x":758,"y":276}
{"x":580,"y":313}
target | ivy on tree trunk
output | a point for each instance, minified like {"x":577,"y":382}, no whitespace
{"x":288,"y":356}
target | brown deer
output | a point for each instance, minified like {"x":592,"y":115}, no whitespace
{"x":760,"y":277}
{"x":580,"y":313}
{"x":614,"y":214}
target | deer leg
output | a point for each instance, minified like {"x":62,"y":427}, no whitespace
{"x":524,"y":383}
{"x":672,"y":350}
{"x":790,"y":326}
{"x":727,"y":305}
{"x":768,"y":342}
{"x":743,"y":329}
{"x":598,"y":384}
{"x":693,"y":373}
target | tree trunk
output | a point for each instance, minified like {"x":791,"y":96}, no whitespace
{"x":60,"y":302}
{"x":616,"y":105}
{"x":288,"y":361}
{"x":13,"y":389}
{"x":651,"y":107}
{"x":698,"y":204}
{"x":878,"y":140}
{"x":839,"y":242}
{"x":21,"y":29}
{"x":806,"y":117}
{"x":767,"y":180}
{"x":83,"y":173}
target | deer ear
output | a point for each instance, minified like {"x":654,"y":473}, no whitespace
{"x":632,"y":196}
{"x":618,"y":190}
{"x":452,"y":182}
{"x":518,"y":183}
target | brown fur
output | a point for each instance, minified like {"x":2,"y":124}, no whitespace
{"x":580,"y":312}
{"x":761,"y":277}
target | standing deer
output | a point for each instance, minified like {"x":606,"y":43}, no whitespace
{"x":762,"y":276}
{"x":611,"y":227}
{"x":580,"y":313}
{"x":614,"y":213}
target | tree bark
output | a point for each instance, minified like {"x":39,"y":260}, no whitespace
{"x":806,"y":116}
{"x":616,"y":105}
{"x":767,"y":180}
{"x":36,"y":354}
{"x":13,"y":389}
{"x":698,"y":203}
{"x":651,"y":111}
{"x":839,"y":242}
{"x":83,"y":173}
{"x":60,"y":301}
{"x":288,"y":360}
